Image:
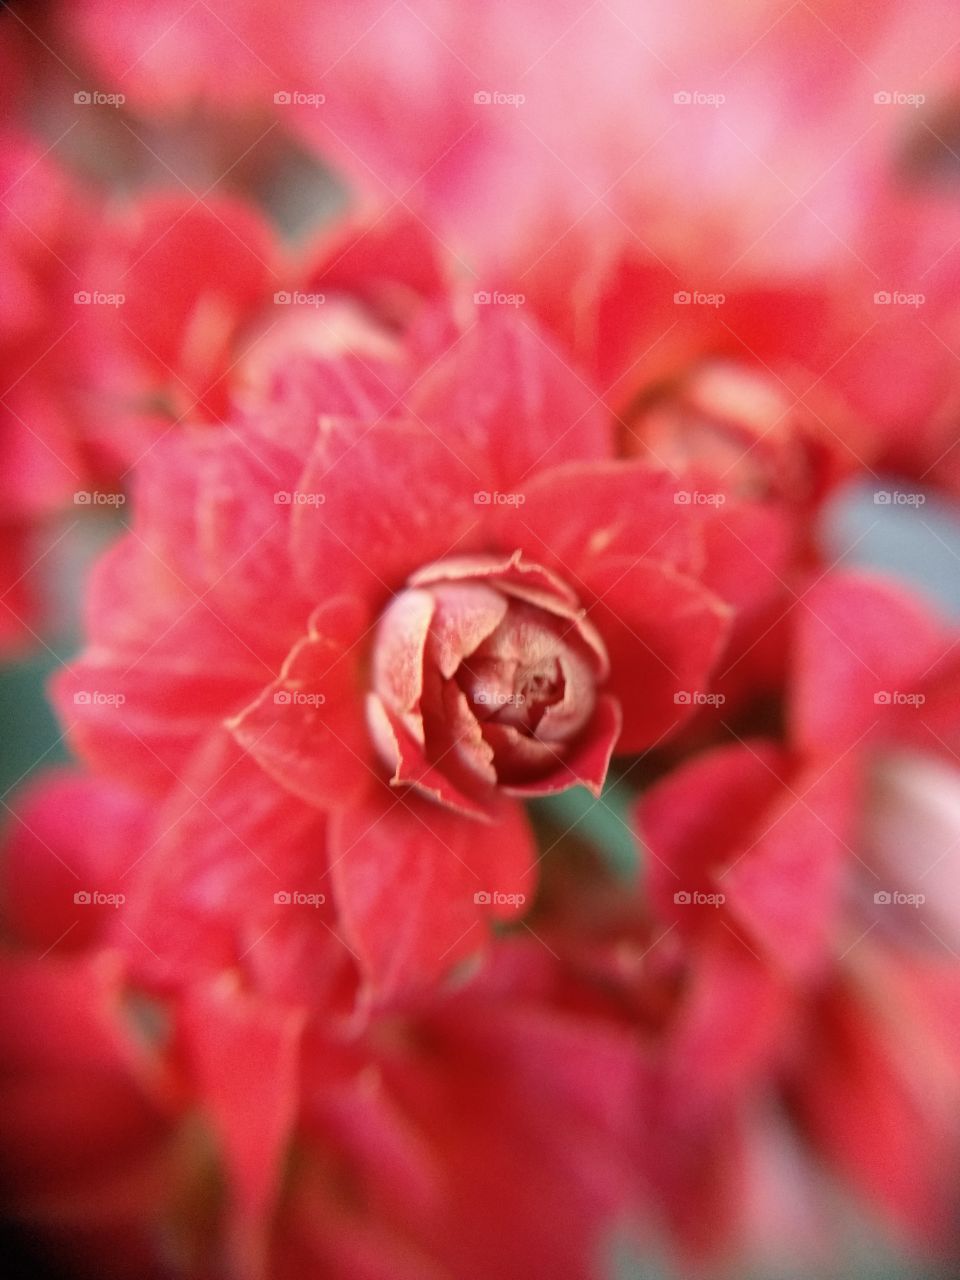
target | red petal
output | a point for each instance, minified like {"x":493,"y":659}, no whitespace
{"x":510,"y":396}
{"x":786,"y":886}
{"x":860,"y":641}
{"x":204,"y":893}
{"x":190,"y":268}
{"x":467,"y":613}
{"x":462,"y":784}
{"x":575,"y":514}
{"x":589,"y":761}
{"x":513,"y":573}
{"x":663,"y":633}
{"x":396,"y":497}
{"x":407,"y":873}
{"x":307,"y":728}
{"x":245,"y":1055}
{"x":385,"y":263}
{"x":697,"y":817}
{"x":69,"y":834}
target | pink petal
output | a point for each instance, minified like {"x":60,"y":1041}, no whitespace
{"x":396,"y":497}
{"x":407,"y":873}
{"x":307,"y":728}
{"x":587,"y":762}
{"x":663,"y":633}
{"x":860,"y":641}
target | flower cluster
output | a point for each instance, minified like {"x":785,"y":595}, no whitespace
{"x":504,"y":836}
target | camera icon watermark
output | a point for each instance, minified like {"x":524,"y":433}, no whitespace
{"x":896,"y":898}
{"x":494,"y":98}
{"x":297,"y":698}
{"x":495,"y":698}
{"x":94,"y":898}
{"x":898,"y":298}
{"x":297,"y":98}
{"x":698,"y":498}
{"x":96,"y":698}
{"x":97,"y":298}
{"x":698,"y":298}
{"x":297,"y":898}
{"x":95,"y":98}
{"x":898,"y":498}
{"x":298,"y":498}
{"x":297,"y":298}
{"x":894,"y":698}
{"x":494,"y":898}
{"x":495,"y":498}
{"x":696,"y":898}
{"x":494,"y":298}
{"x":697,"y":98}
{"x":897,"y":98}
{"x":96,"y":498}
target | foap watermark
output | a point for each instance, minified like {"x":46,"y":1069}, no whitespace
{"x":493,"y":298}
{"x":494,"y":498}
{"x":697,"y":898}
{"x":894,"y":698}
{"x":297,"y":298}
{"x":298,"y":498}
{"x":97,"y":498}
{"x":898,"y":498}
{"x":897,"y":98}
{"x":298,"y":98}
{"x":297,"y":898}
{"x":898,"y":298}
{"x":897,"y":898}
{"x":698,"y":98}
{"x":695,"y":698}
{"x":495,"y":98}
{"x":97,"y":298}
{"x":494,"y":898}
{"x":297,"y":698}
{"x":494,"y":698}
{"x":95,"y":898}
{"x":697,"y":298}
{"x":95,"y":698}
{"x":97,"y":98}
{"x":698,"y":498}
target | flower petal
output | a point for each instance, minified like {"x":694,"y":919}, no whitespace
{"x":663,"y":633}
{"x":587,"y":762}
{"x":307,"y":728}
{"x":408,"y":876}
{"x":396,"y":497}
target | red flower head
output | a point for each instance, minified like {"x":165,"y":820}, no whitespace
{"x":407,"y":620}
{"x":491,"y":668}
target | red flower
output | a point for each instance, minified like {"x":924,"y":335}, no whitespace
{"x":216,"y":313}
{"x":808,"y":244}
{"x":88,"y":1165}
{"x":237,"y":1110}
{"x":42,"y":461}
{"x":829,"y":862}
{"x":486,"y":543}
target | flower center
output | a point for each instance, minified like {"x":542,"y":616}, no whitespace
{"x":485,"y":673}
{"x":515,"y":695}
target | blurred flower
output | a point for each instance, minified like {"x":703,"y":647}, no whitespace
{"x":235,"y":1108}
{"x":42,"y":462}
{"x":796,"y":857}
